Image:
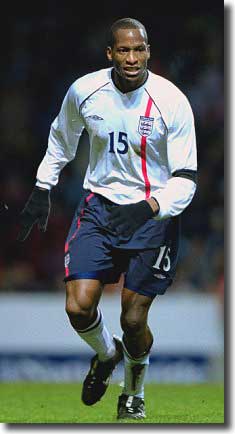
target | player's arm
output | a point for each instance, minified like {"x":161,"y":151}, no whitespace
{"x":182,"y":159}
{"x":63,"y":140}
{"x":180,"y":188}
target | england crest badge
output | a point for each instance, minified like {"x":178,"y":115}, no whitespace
{"x":145,"y":126}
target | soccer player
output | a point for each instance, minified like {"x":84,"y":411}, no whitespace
{"x":140,"y":178}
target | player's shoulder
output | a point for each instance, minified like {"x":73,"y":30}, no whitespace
{"x":170,"y":100}
{"x":89,"y":83}
{"x":162,"y":88}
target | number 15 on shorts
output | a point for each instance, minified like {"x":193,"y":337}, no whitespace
{"x":163,"y":261}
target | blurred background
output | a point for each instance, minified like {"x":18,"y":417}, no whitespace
{"x":44,"y":50}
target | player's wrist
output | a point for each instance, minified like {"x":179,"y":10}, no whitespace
{"x":41,"y":192}
{"x":154,"y":205}
{"x":41,"y":189}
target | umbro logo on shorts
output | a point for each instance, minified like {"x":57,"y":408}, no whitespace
{"x":159,"y":276}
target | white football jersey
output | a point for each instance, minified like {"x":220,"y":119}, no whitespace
{"x":138,"y":140}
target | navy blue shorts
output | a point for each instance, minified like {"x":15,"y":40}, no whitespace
{"x":92,"y":251}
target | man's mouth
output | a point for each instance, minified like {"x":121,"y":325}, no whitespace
{"x":132,"y":72}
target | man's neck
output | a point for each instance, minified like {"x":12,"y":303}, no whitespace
{"x":123,"y":85}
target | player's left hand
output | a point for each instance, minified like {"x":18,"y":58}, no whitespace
{"x":126,"y":219}
{"x":36,"y":210}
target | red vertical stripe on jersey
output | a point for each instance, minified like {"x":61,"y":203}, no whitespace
{"x":143,"y":153}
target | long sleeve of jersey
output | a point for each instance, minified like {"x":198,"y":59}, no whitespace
{"x":182,"y":162}
{"x":63,"y":140}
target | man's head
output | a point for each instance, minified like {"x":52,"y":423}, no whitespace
{"x":128,"y":49}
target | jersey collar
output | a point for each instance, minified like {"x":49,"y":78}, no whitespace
{"x":131,"y":92}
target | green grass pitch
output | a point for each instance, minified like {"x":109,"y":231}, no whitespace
{"x":61,"y":403}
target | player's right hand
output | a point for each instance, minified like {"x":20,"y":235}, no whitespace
{"x":36,"y":210}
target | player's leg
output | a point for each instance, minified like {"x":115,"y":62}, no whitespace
{"x":150,"y":273}
{"x":137,"y":342}
{"x":88,"y":265}
{"x":82,"y":299}
{"x":137,"y":335}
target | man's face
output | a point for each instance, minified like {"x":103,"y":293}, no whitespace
{"x":129,"y":54}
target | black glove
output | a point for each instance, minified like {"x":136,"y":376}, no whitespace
{"x":126,"y":219}
{"x":37,"y":209}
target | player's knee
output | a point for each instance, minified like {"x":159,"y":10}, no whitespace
{"x":74,"y":308}
{"x":131,"y":323}
{"x":79,"y":318}
{"x":79,"y":315}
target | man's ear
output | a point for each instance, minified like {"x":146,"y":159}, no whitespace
{"x":109,"y":54}
{"x":148,"y":51}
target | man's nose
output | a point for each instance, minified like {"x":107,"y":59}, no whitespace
{"x":131,"y":57}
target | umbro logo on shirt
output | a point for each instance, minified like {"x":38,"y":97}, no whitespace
{"x":95,"y":117}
